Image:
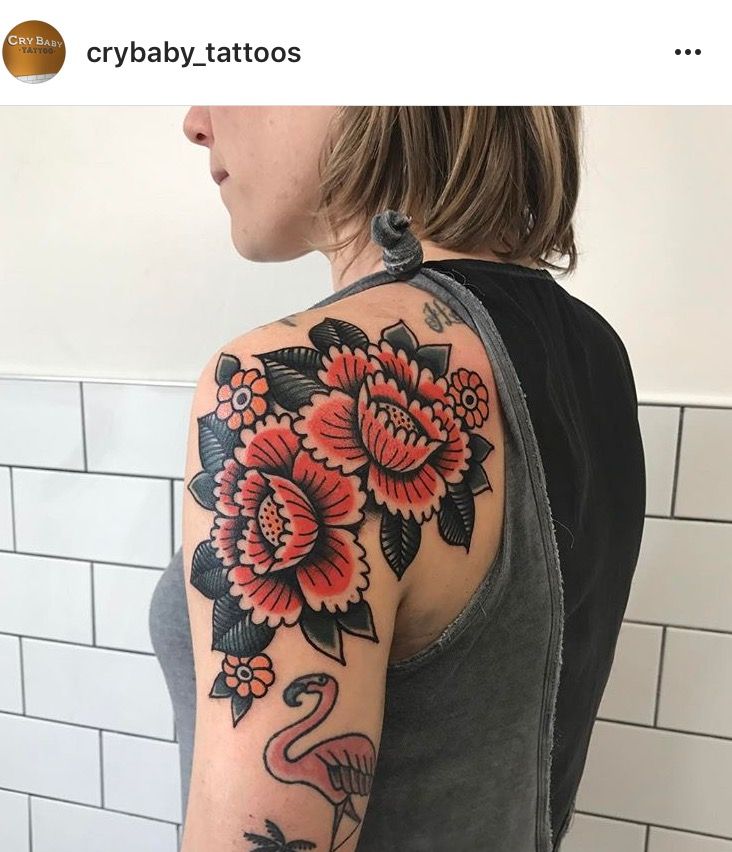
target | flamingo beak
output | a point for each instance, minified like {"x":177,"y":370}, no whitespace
{"x":291,"y":695}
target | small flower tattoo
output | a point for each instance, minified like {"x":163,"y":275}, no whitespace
{"x":242,"y":399}
{"x":470,"y":397}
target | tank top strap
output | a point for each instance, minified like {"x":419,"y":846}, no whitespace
{"x":529,"y":542}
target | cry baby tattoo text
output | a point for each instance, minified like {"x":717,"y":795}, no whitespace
{"x":299,"y":450}
{"x":190,"y":56}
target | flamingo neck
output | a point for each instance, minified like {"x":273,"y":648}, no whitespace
{"x":287,"y":737}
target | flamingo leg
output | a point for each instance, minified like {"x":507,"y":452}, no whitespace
{"x":344,"y":807}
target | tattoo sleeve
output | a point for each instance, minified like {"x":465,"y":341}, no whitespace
{"x":297,"y":453}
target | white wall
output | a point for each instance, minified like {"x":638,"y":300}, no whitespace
{"x":116,"y":260}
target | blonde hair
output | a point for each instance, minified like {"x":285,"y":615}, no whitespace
{"x":501,"y":178}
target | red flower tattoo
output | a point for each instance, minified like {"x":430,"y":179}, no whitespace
{"x":282,"y":526}
{"x":470,"y":397}
{"x":387,"y":414}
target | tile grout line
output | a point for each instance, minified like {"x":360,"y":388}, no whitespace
{"x":81,"y":645}
{"x":83,"y":426}
{"x":30,"y":823}
{"x":647,"y":838}
{"x":631,"y":821}
{"x":22,"y":675}
{"x":645,"y":726}
{"x":12,"y":509}
{"x":718,"y":631}
{"x":153,"y":477}
{"x":677,"y":460}
{"x":153,"y":737}
{"x":76,"y":804}
{"x":172,"y":518}
{"x":101,"y":768}
{"x":661,"y":658}
{"x":105,"y":562}
{"x":93,"y":605}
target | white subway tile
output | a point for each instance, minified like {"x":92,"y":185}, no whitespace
{"x":684,"y":575}
{"x":92,"y":686}
{"x":659,"y":429}
{"x":596,"y":834}
{"x":664,"y":840}
{"x":29,"y":407}
{"x":45,"y":597}
{"x":93,"y":516}
{"x":648,"y":775}
{"x":121,"y":603}
{"x":142,"y":776}
{"x":704,"y":487}
{"x":11,"y":693}
{"x":49,"y":759}
{"x":137,"y":428}
{"x":177,"y":513}
{"x":696,"y":687}
{"x":61,"y":827}
{"x":14,"y":834}
{"x":6,"y":511}
{"x":630,"y":695}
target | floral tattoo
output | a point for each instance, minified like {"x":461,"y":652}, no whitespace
{"x":296,"y":455}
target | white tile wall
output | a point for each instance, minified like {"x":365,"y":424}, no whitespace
{"x":655,"y":760}
{"x":141,"y":776}
{"x":78,"y":515}
{"x":177,"y":513}
{"x":598,"y":834}
{"x":11,"y":690}
{"x":121,"y":603}
{"x":28,"y":407}
{"x":136,"y":428}
{"x":684,"y":575}
{"x":6,"y":510}
{"x":664,"y":840}
{"x":696,"y":689}
{"x":93,"y":686}
{"x":49,"y":759}
{"x":659,"y":428}
{"x":61,"y":827}
{"x":630,"y":695}
{"x":705,"y":466}
{"x":655,"y":776}
{"x":45,"y":597}
{"x":14,"y":834}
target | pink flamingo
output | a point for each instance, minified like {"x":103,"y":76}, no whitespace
{"x":338,"y":768}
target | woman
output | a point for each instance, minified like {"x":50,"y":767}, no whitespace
{"x":412,"y":512}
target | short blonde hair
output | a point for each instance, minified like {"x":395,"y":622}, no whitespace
{"x":473,"y":178}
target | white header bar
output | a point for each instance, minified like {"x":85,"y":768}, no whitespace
{"x":327,"y":52}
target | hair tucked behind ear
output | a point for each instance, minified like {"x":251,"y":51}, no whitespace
{"x":498,"y":178}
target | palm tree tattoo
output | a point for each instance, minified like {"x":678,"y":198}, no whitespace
{"x":297,"y":453}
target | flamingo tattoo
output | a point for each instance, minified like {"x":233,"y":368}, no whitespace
{"x":338,"y":768}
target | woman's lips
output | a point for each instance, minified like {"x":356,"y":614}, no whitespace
{"x":219,"y":177}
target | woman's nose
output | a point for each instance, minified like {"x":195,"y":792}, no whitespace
{"x":197,"y":126}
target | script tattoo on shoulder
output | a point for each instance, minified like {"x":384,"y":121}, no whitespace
{"x":439,"y":316}
{"x":297,"y":453}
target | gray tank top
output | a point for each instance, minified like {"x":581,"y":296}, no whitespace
{"x":465,"y":757}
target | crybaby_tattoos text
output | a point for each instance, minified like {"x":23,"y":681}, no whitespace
{"x":299,"y":449}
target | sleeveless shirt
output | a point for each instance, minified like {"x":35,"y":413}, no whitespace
{"x":486,"y":730}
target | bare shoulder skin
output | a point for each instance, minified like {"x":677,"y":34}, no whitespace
{"x":345,"y":482}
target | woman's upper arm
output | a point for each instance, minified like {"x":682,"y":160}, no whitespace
{"x":327,"y":454}
{"x":291,"y":608}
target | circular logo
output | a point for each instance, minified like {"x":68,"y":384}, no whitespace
{"x":34,"y":51}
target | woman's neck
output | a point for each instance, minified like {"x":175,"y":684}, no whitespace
{"x":370,"y":261}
